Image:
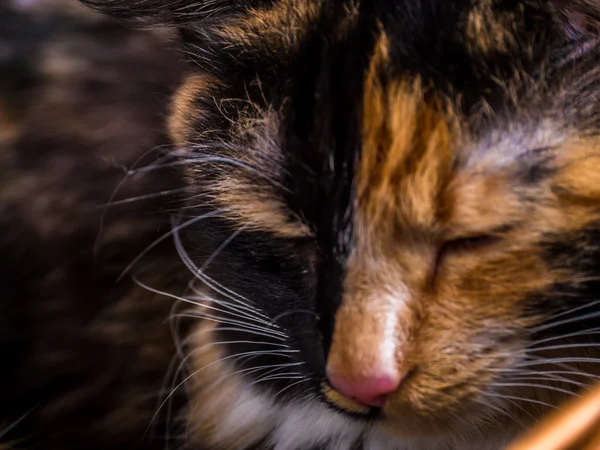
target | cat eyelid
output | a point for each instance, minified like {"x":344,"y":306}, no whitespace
{"x":469,"y":243}
{"x":461,"y":245}
{"x":494,"y":232}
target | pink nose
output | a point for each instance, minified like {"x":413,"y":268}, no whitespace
{"x":370,"y":391}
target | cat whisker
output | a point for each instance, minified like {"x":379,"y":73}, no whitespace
{"x":241,"y":325}
{"x":199,"y":349}
{"x":565,"y":359}
{"x":225,"y":243}
{"x":237,"y":308}
{"x":295,"y":311}
{"x":559,"y":372}
{"x":547,"y":377}
{"x":252,"y":328}
{"x":559,"y":347}
{"x":215,"y":286}
{"x":243,"y":303}
{"x":173,"y":296}
{"x":227,"y":376}
{"x":114,"y":193}
{"x":499,"y":410}
{"x":228,"y":309}
{"x":236,"y":329}
{"x":201,"y":314}
{"x":224,"y":291}
{"x":522,"y":399}
{"x":308,"y":397}
{"x":291,"y":385}
{"x":283,"y":376}
{"x":220,"y":360}
{"x":573,"y":310}
{"x":593,"y":315}
{"x":591,"y":331}
{"x":521,"y":408}
{"x":153,"y":167}
{"x":536,"y":385}
{"x":7,"y":429}
{"x":166,"y":236}
{"x":171,"y":372}
{"x":239,"y":164}
{"x":140,"y":198}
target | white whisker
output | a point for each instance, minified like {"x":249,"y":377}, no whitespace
{"x":203,"y":277}
{"x":282,"y":376}
{"x":222,"y":246}
{"x":116,"y":190}
{"x":560,"y":347}
{"x":300,"y":381}
{"x":220,"y":360}
{"x":166,"y":236}
{"x":593,"y":315}
{"x":230,"y":310}
{"x":522,"y":399}
{"x":557,"y":360}
{"x":206,"y":315}
{"x":590,"y":332}
{"x":573,"y":310}
{"x":140,"y":198}
{"x":248,"y":328}
{"x":499,"y":410}
{"x":535,"y":385}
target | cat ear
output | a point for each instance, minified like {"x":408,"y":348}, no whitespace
{"x":171,"y":12}
{"x":579,"y":19}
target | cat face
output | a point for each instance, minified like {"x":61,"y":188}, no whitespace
{"x":392,"y":216}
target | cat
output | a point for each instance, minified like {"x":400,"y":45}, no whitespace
{"x":301,"y":225}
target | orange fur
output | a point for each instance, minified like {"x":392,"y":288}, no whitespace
{"x":183,"y":109}
{"x":281,"y":27}
{"x":491,"y":31}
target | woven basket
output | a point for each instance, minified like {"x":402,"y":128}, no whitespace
{"x":576,"y":426}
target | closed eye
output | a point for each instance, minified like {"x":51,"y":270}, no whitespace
{"x":468,"y":244}
{"x":463,"y":245}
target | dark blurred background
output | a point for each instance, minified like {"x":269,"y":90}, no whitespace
{"x":83,"y":102}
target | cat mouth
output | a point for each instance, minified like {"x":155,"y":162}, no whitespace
{"x":341,"y":403}
{"x":403,"y":422}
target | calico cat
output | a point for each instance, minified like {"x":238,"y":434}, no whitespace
{"x":373,"y":225}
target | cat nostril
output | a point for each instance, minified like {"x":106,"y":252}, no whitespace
{"x":370,"y":391}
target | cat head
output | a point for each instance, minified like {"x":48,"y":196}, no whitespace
{"x":392,"y":218}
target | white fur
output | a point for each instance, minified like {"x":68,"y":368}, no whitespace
{"x":302,"y":427}
{"x":389,"y":341}
{"x":247,"y":415}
